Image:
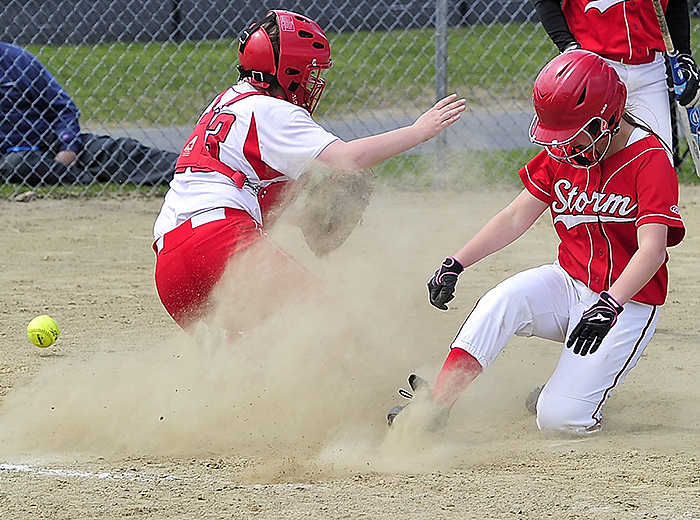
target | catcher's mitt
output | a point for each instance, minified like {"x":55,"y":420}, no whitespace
{"x":332,"y":209}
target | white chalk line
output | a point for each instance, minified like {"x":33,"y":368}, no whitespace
{"x":103,"y":475}
{"x":107,"y":475}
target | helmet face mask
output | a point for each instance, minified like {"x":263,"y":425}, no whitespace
{"x":579,"y":102}
{"x":304,"y":52}
{"x":312,"y":86}
{"x":586,"y":148}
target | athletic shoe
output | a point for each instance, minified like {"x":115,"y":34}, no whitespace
{"x":437,"y":413}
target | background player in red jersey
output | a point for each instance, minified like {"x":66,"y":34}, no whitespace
{"x":613,"y":197}
{"x":233,"y":177}
{"x":627,"y":34}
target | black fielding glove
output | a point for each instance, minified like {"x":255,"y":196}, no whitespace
{"x":441,"y":287}
{"x":691,"y":95}
{"x":595,"y":324}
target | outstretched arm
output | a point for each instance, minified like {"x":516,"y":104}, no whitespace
{"x":368,"y":151}
{"x":498,"y":232}
{"x":503,"y":229}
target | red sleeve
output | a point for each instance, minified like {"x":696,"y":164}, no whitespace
{"x":657,"y":195}
{"x":537,"y":176}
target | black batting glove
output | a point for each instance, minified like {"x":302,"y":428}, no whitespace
{"x":441,"y":287}
{"x":595,"y":324}
{"x":691,"y":95}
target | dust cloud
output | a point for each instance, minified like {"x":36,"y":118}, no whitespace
{"x":292,"y":377}
{"x":209,"y":423}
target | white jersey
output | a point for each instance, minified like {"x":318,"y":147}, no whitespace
{"x":269,"y":140}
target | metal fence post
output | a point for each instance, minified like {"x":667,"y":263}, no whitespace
{"x":440,"y":86}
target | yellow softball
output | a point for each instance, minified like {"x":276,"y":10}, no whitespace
{"x":43,"y":331}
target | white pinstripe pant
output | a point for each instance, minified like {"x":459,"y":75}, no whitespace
{"x":548,"y":303}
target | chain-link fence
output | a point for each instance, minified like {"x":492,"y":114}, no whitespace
{"x":145,"y":69}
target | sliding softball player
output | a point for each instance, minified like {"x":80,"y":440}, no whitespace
{"x":613,"y":198}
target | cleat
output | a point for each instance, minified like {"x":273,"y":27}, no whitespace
{"x":418,"y":385}
{"x":421,"y":390}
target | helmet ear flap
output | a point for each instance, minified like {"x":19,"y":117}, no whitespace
{"x":255,"y":51}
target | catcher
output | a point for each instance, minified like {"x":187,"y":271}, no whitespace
{"x":234,"y":175}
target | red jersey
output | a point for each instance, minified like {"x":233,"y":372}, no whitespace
{"x":620,"y":30}
{"x":596,"y":211}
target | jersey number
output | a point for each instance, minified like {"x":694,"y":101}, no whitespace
{"x":216,"y":132}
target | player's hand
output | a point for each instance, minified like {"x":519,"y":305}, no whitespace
{"x":691,"y":95}
{"x":66,"y":157}
{"x":595,"y":324}
{"x":440,"y":116}
{"x":441,"y":287}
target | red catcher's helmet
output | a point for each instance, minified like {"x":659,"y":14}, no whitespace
{"x":304,"y":52}
{"x":573,"y":90}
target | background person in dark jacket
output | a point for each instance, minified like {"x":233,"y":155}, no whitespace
{"x":40,"y":138}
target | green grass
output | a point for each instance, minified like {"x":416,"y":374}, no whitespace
{"x":485,"y":169}
{"x":496,"y":168}
{"x":136,"y":83}
{"x":686,"y":174}
{"x":408,"y":172}
{"x":171,"y":83}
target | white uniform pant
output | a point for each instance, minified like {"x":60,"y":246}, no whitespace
{"x":547,"y":302}
{"x":648,"y":96}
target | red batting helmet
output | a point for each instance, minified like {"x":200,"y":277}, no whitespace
{"x":303,"y":52}
{"x":572,"y":91}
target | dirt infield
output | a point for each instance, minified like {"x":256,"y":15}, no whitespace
{"x":126,"y":416}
